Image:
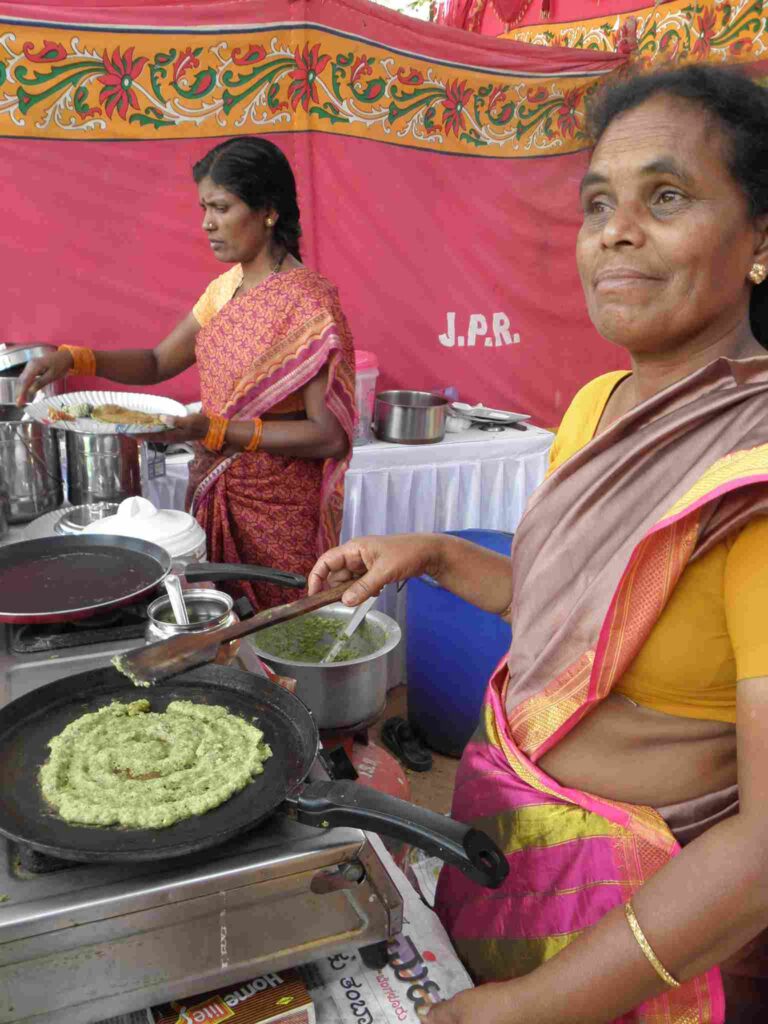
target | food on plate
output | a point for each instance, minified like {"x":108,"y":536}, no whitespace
{"x":119,"y":414}
{"x":72,"y":412}
{"x":105,"y":414}
{"x":310,"y":637}
{"x":128,"y":765}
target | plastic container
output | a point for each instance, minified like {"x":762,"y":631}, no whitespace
{"x":366,"y":375}
{"x":452,"y":648}
{"x":178,"y":532}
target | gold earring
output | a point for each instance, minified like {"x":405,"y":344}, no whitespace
{"x":270,"y":222}
{"x":758,"y":273}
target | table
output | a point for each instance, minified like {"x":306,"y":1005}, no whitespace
{"x":475,"y":479}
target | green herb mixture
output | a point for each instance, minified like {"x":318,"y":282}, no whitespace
{"x":310,"y":637}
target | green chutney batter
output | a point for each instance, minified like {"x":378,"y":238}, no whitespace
{"x":127,"y":765}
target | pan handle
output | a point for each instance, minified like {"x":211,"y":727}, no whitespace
{"x":216,"y":573}
{"x":324,"y":804}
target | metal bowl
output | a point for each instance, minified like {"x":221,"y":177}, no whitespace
{"x":409,"y":417}
{"x":343,"y":693}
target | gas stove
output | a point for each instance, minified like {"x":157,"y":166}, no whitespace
{"x":83,"y":942}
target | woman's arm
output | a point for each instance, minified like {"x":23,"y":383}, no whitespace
{"x":319,"y":436}
{"x":702,"y":907}
{"x":480,"y":576}
{"x":172,"y":356}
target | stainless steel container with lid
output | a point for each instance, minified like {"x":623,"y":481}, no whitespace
{"x":102,"y":467}
{"x":409,"y":417}
{"x":30,"y":467}
{"x":207,"y":610}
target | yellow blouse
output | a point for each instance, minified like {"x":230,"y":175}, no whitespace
{"x":713,"y":630}
{"x":216,"y":295}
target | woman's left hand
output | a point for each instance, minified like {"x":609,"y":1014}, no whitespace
{"x":180,"y":428}
{"x":491,"y":1004}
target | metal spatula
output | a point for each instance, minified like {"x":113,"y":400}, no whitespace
{"x":354,"y":621}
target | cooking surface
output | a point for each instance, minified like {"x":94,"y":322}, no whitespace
{"x":27,"y":726}
{"x":69,"y":581}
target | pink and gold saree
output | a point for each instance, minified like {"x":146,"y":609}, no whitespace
{"x":598,"y":553}
{"x":256,"y":352}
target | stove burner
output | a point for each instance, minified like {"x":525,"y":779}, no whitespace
{"x":26,"y":861}
{"x":127,"y":623}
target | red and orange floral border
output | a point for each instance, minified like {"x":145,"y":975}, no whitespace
{"x":80,"y":82}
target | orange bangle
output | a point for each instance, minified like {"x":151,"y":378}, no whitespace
{"x":217,"y":432}
{"x":83,"y":360}
{"x":253,"y":444}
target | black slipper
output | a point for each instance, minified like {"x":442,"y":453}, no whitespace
{"x":401,"y":740}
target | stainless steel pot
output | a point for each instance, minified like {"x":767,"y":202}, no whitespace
{"x":102,"y":467}
{"x":30,"y":468}
{"x":9,"y":389}
{"x":206,"y":610}
{"x":13,"y":358}
{"x":347,"y":693}
{"x":409,"y":417}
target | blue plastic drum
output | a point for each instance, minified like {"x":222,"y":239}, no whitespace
{"x":452,"y":649}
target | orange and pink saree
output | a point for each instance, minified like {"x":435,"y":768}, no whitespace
{"x":597,"y":555}
{"x":258,"y":350}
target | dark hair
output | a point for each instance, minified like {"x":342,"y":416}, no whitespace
{"x":738,"y":106}
{"x":257,"y":172}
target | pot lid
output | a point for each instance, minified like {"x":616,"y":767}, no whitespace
{"x":178,"y":532}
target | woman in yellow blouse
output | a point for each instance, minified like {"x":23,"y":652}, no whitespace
{"x":621,"y":757}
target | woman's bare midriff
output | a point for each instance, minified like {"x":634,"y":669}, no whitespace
{"x":623,"y":751}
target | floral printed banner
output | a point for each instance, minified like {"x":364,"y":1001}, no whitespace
{"x":70,"y":81}
{"x":681,"y":30}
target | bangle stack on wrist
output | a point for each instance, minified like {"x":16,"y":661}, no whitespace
{"x":217,"y":432}
{"x":83,"y":360}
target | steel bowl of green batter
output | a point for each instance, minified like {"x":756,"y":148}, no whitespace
{"x":350,"y":691}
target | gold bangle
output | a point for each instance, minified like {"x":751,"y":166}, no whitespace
{"x":647,"y":949}
{"x":217,"y":432}
{"x":83,"y":360}
{"x":253,"y":444}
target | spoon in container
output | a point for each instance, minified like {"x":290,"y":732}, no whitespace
{"x":176,"y":597}
{"x":354,"y":621}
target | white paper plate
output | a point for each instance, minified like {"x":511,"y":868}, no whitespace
{"x":481,"y":414}
{"x":154,"y":404}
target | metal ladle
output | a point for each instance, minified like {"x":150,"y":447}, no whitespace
{"x":354,"y":621}
{"x":176,"y":597}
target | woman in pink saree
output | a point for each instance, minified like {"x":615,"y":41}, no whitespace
{"x":277,"y":379}
{"x":621,"y":757}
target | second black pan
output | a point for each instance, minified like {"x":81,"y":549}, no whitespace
{"x":28,"y":723}
{"x":61,"y":579}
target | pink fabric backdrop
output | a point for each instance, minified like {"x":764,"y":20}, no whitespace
{"x":104,"y":247}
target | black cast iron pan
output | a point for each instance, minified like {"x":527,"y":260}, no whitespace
{"x":60,"y":579}
{"x":28,"y":723}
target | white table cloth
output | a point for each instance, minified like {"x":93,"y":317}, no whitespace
{"x":475,"y":479}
